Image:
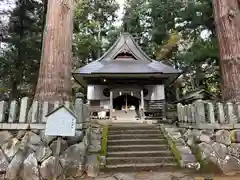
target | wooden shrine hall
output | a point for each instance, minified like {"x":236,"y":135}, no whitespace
{"x":126,"y":84}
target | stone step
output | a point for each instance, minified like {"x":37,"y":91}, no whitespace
{"x":133,"y":127}
{"x":158,"y":153}
{"x":139,"y":160}
{"x":135,"y":136}
{"x":141,"y":167}
{"x":136,"y":141}
{"x":150,"y":147}
{"x":134,"y":131}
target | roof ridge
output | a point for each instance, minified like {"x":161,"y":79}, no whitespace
{"x":128,"y":40}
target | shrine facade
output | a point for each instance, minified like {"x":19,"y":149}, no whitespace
{"x":126,"y":83}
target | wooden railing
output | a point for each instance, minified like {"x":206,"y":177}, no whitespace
{"x":208,"y":115}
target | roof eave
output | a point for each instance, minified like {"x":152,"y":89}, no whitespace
{"x":119,"y":74}
{"x":79,"y":79}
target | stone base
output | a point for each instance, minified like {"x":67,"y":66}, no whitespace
{"x":28,"y":154}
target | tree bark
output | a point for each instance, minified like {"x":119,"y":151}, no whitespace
{"x":45,"y":6}
{"x":227,"y":19}
{"x":54,"y":81}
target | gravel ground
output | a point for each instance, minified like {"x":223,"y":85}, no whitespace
{"x":158,"y":176}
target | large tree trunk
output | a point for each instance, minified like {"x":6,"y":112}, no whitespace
{"x":54,"y":81}
{"x":227,"y":18}
{"x":44,"y":16}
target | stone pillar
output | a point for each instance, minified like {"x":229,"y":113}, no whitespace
{"x":56,"y":104}
{"x":35,"y":112}
{"x":13,"y":112}
{"x":79,"y":108}
{"x":85,"y":113}
{"x":142,"y":105}
{"x":220,"y":113}
{"x":186,"y":114}
{"x":179,"y":112}
{"x":211,"y":113}
{"x":44,"y":111}
{"x":230,"y":113}
{"x":200,"y":112}
{"x":189,"y":113}
{"x":111,"y":104}
{"x":3,"y":107}
{"x":24,"y":110}
{"x":192,"y":114}
{"x":67,"y":104}
{"x":238,"y":112}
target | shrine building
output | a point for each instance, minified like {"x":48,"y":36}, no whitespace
{"x":126,"y":83}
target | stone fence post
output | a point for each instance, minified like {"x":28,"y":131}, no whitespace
{"x":211,"y":113}
{"x":79,"y":108}
{"x":231,"y":118}
{"x":180,"y":112}
{"x":189,"y":114}
{"x":220,"y":113}
{"x":238,"y":112}
{"x":13,"y":112}
{"x":200,"y":112}
{"x":3,"y":107}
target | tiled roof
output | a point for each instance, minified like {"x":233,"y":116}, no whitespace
{"x":141,"y":63}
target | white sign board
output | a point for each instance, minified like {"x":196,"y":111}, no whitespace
{"x":60,"y":123}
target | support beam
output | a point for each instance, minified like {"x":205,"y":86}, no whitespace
{"x":142,"y":105}
{"x":111,"y":104}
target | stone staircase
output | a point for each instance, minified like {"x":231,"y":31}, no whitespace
{"x":137,"y":147}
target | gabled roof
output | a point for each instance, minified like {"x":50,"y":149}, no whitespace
{"x":110,"y":63}
{"x":60,"y":107}
{"x":125,"y":43}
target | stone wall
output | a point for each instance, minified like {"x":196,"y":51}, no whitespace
{"x":30,"y":155}
{"x":180,"y":149}
{"x":219,"y":147}
{"x":27,"y":154}
{"x":95,"y":159}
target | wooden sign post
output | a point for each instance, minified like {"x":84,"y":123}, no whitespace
{"x":61,"y":122}
{"x":58,"y":148}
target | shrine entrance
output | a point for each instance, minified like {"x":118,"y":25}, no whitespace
{"x":126,"y":107}
{"x":126,"y":102}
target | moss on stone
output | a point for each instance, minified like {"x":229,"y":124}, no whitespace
{"x":205,"y":165}
{"x":174,"y":149}
{"x":103,"y":151}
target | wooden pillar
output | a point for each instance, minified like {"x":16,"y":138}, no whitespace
{"x":111,"y":104}
{"x":142,"y":105}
